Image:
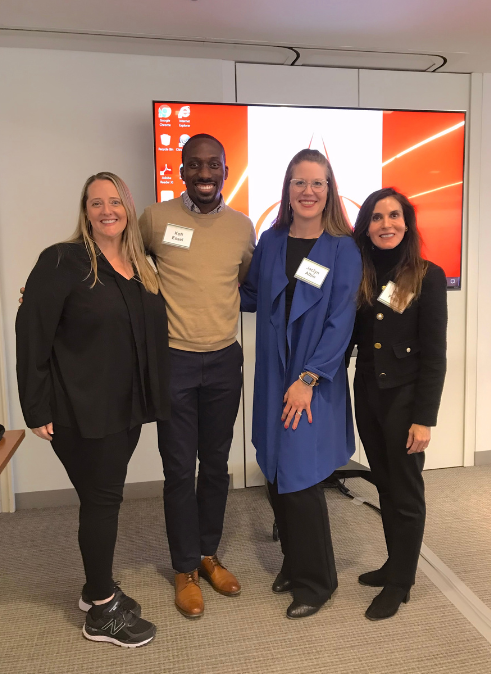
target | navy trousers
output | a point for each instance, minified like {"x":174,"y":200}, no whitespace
{"x":205,"y":396}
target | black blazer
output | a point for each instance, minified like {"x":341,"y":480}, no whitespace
{"x":78,"y":347}
{"x":412,"y":346}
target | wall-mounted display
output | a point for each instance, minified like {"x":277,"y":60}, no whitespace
{"x":421,"y":154}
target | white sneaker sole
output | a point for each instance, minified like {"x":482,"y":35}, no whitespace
{"x":110,"y":640}
{"x":83,"y":606}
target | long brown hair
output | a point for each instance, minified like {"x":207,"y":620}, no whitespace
{"x":411,"y":268}
{"x":334,"y":221}
{"x":132,"y":243}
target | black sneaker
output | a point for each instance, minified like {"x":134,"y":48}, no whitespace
{"x":117,"y":625}
{"x":127,"y":603}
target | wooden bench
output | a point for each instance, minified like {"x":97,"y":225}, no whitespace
{"x":8,"y":444}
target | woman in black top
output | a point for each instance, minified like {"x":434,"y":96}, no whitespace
{"x":400,"y":330}
{"x":92,"y":367}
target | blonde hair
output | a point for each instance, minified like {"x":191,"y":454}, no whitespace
{"x":132,"y":243}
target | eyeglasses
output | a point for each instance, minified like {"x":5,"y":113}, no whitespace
{"x":299,"y":185}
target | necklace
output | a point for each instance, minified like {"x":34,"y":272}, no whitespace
{"x":294,"y":236}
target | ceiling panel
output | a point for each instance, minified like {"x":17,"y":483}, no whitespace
{"x":460,"y":30}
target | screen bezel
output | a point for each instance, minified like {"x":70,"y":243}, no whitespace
{"x":328,"y":107}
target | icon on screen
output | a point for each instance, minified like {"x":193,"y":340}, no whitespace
{"x":165,"y":111}
{"x":166,"y":195}
{"x":167,"y":169}
{"x":165,"y":139}
{"x":183,"y":139}
{"x":184,"y":112}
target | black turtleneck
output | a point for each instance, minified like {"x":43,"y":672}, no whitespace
{"x":384,"y":262}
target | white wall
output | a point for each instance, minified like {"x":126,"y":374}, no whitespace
{"x":64,"y":116}
{"x":483,"y":388}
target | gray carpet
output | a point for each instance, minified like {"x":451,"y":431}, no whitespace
{"x":458,"y":525}
{"x":41,"y":575}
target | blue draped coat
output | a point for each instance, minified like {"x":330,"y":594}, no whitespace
{"x":318,"y":332}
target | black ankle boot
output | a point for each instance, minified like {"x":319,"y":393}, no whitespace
{"x":282,"y":584}
{"x":377,"y":578}
{"x":386,"y":604}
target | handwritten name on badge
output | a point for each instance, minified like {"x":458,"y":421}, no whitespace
{"x":386,"y":298}
{"x":178,"y":236}
{"x":311,"y":272}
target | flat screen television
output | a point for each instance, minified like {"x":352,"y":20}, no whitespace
{"x":421,"y":154}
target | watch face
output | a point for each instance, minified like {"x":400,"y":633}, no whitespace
{"x":308,"y":379}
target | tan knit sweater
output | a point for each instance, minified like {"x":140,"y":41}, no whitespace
{"x":200,"y":284}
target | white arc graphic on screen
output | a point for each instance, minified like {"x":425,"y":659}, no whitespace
{"x":436,"y":189}
{"x":238,"y":186}
{"x":423,"y":142}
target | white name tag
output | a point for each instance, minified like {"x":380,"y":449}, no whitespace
{"x":386,"y":297}
{"x":178,"y":236}
{"x":311,"y":272}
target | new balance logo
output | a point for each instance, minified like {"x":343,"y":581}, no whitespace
{"x":114,"y":626}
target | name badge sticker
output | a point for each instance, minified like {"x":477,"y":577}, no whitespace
{"x":311,"y":272}
{"x":386,"y":297}
{"x":178,"y":236}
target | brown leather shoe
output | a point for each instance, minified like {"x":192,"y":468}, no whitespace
{"x":189,"y":600}
{"x":221,"y":580}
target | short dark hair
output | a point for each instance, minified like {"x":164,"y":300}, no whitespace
{"x":198,"y":137}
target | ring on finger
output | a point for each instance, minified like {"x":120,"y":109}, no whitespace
{"x":299,"y":413}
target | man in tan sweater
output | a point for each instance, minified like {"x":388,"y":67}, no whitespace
{"x":203,"y":250}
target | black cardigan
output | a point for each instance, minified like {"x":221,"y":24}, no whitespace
{"x":78,"y":347}
{"x":410,"y":346}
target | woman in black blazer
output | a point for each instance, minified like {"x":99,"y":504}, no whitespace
{"x":92,"y":367}
{"x":400,"y":331}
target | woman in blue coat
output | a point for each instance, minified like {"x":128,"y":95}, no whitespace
{"x":303,"y":282}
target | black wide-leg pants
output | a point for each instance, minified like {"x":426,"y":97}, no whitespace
{"x":97,"y":469}
{"x":205,"y":396}
{"x":305,"y":535}
{"x":383,"y":417}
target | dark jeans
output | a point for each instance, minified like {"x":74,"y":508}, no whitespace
{"x":205,"y":394}
{"x":303,"y":525}
{"x":383,"y":417}
{"x":97,"y":470}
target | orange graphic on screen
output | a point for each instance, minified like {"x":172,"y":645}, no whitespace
{"x":431,"y":175}
{"x":227,"y":123}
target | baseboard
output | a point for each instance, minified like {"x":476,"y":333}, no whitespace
{"x":67,"y":497}
{"x":46,"y":499}
{"x":482,"y":458}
